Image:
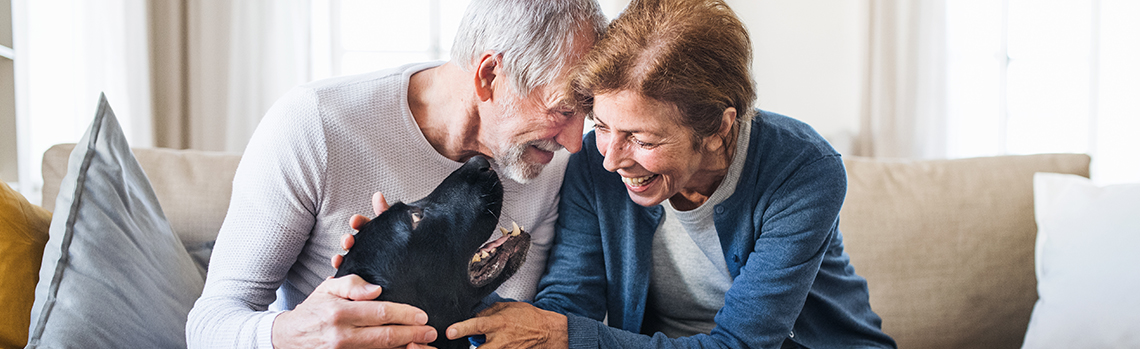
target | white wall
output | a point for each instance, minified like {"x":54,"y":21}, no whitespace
{"x":808,"y":60}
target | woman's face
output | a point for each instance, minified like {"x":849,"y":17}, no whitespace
{"x":642,"y":141}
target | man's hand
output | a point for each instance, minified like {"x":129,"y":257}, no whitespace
{"x":379,"y":205}
{"x":341,"y":313}
{"x":515,"y":325}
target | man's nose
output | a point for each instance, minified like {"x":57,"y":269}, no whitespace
{"x":570,"y":135}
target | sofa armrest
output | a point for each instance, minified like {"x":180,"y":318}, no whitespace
{"x":947,"y":245}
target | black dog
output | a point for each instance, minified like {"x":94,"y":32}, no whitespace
{"x":430,"y":253}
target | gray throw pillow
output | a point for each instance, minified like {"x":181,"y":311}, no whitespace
{"x":114,"y":275}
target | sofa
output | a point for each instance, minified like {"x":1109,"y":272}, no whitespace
{"x":947,"y":246}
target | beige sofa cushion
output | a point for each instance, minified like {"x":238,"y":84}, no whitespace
{"x":947,"y":245}
{"x":192,"y":186}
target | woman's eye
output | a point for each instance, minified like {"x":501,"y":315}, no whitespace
{"x":643,"y":144}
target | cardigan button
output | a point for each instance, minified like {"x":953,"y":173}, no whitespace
{"x":720,"y":209}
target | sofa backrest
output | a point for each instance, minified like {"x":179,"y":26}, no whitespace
{"x":192,"y":186}
{"x":947,"y":245}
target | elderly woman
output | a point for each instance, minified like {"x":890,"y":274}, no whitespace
{"x":688,"y":218}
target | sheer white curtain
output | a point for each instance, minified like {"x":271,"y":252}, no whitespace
{"x":238,"y":58}
{"x":967,"y":78}
{"x":70,"y":51}
{"x":904,"y":102}
{"x":179,"y":73}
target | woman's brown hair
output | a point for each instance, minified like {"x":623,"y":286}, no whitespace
{"x":694,"y":54}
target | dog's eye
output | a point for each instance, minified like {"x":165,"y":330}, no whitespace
{"x":416,"y":217}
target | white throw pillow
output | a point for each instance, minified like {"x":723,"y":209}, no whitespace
{"x":114,"y":275}
{"x":1088,"y":264}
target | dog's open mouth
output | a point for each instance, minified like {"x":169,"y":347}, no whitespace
{"x":507,"y":252}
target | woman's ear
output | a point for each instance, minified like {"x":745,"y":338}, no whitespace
{"x":726,"y":120}
{"x":717,"y":141}
{"x":485,"y":73}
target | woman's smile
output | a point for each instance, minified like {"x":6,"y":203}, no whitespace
{"x":638,"y":184}
{"x":655,"y":155}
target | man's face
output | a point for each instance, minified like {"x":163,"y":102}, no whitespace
{"x":526,"y":131}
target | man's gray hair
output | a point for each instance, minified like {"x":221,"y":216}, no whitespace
{"x":534,"y":37}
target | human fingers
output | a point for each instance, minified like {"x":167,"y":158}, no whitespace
{"x":483,"y":323}
{"x":389,"y":336}
{"x":350,"y":287}
{"x":346,"y":241}
{"x":515,"y":325}
{"x":378,"y":313}
{"x":379,"y":204}
{"x":470,"y":327}
{"x":336,"y":261}
{"x":357,"y":221}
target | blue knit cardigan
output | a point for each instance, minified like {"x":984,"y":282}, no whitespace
{"x":780,"y":237}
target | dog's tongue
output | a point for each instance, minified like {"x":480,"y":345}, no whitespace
{"x":489,"y":248}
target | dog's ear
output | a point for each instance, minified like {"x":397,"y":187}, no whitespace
{"x":389,"y":232}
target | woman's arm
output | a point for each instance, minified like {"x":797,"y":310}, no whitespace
{"x":575,"y":278}
{"x":769,"y":293}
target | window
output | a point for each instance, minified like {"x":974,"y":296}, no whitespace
{"x":357,"y":36}
{"x":8,"y":135}
{"x":1033,"y":76}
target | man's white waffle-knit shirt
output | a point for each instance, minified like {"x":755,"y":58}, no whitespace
{"x":315,"y":160}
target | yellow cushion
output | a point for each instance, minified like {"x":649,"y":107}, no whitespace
{"x":23,"y":233}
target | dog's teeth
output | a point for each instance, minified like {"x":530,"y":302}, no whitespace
{"x":476,"y":259}
{"x":515,"y":228}
{"x":504,"y":230}
{"x":492,"y":250}
{"x":484,"y":254}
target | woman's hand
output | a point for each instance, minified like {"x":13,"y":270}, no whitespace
{"x":514,"y":325}
{"x":379,"y":205}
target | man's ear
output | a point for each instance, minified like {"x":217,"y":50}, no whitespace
{"x":485,"y":73}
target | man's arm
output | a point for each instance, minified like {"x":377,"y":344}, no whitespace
{"x":272,"y":211}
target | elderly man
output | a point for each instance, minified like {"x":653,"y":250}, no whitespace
{"x":324,"y":146}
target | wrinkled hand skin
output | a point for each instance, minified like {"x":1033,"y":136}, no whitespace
{"x":339,"y":314}
{"x":515,"y":325}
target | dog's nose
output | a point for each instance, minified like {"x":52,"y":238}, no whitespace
{"x":480,"y":163}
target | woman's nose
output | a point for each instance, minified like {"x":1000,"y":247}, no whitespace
{"x":615,"y":154}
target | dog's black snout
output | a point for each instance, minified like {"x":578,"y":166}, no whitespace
{"x":480,"y":163}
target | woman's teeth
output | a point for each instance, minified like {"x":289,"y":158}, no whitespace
{"x":637,"y":181}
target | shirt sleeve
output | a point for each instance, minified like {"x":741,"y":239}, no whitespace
{"x":271,"y":214}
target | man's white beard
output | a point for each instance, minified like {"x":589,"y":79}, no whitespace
{"x":509,"y":158}
{"x":512,"y":164}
